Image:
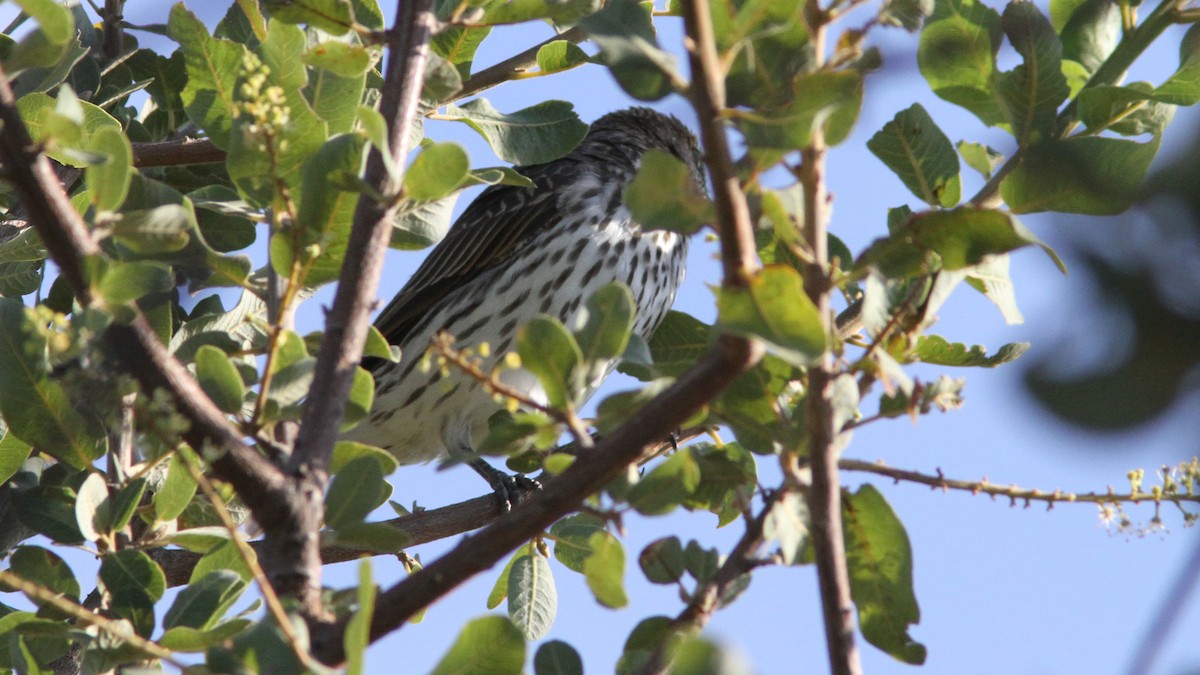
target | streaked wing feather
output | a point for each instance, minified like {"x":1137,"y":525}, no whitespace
{"x":491,"y":228}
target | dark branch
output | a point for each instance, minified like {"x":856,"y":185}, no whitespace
{"x":294,"y":555}
{"x":175,"y":153}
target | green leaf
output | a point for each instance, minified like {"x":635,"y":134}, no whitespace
{"x":489,"y":645}
{"x":44,"y":568}
{"x":442,"y":80}
{"x":125,"y":502}
{"x":185,"y":639}
{"x":1061,"y":12}
{"x":1091,"y":34}
{"x":13,"y":453}
{"x":906,"y":14}
{"x":49,"y":510}
{"x":436,"y":172}
{"x":332,"y":16}
{"x":24,"y":246}
{"x":346,"y":451}
{"x":1182,"y":88}
{"x":572,"y":539}
{"x":562,"y":12}
{"x":201,"y":539}
{"x":335,"y":98}
{"x":358,"y":629}
{"x":1094,"y":176}
{"x":828,"y":100}
{"x":604,"y":570}
{"x":678,"y":342}
{"x":625,"y":34}
{"x":500,"y":588}
{"x":662,"y":561}
{"x":342,"y":59}
{"x":608,"y":324}
{"x":550,"y":352}
{"x":458,"y":44}
{"x":162,"y":229}
{"x":44,"y":117}
{"x":258,"y":163}
{"x":557,"y":658}
{"x":1033,"y":90}
{"x":124,"y":282}
{"x":664,"y":195}
{"x":667,"y":485}
{"x":46,"y":44}
{"x":219,"y":378}
{"x":935,"y":349}
{"x":203,"y":602}
{"x":213,"y":69}
{"x":92,"y":512}
{"x":36,"y":407}
{"x":355,"y":491}
{"x":109,"y":180}
{"x":222,"y":558}
{"x":176,"y":491}
{"x":787,"y":525}
{"x":962,"y":237}
{"x":20,"y":278}
{"x":532,"y":597}
{"x":559,"y":55}
{"x":1129,"y":110}
{"x":980,"y":157}
{"x":361,"y":397}
{"x":773,"y":307}
{"x":132,"y":573}
{"x":880,"y":562}
{"x":534,"y":135}
{"x":992,"y":279}
{"x":957,"y":56}
{"x":913,"y":147}
{"x":700,"y":562}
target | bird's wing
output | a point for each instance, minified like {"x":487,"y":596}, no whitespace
{"x":491,"y":228}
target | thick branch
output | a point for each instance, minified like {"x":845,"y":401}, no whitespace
{"x":293,"y":554}
{"x":708,"y":97}
{"x":347,"y":322}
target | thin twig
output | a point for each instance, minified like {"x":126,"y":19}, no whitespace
{"x":706,"y":598}
{"x":1016,"y":494}
{"x":514,"y":65}
{"x":443,"y":346}
{"x":246,"y":553}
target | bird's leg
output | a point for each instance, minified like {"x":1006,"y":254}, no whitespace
{"x":509,"y":488}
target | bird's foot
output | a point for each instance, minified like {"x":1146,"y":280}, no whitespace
{"x":510,"y":489}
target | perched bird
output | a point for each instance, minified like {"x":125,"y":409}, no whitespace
{"x":517,"y":252}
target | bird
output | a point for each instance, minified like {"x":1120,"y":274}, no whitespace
{"x":517,"y":252}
